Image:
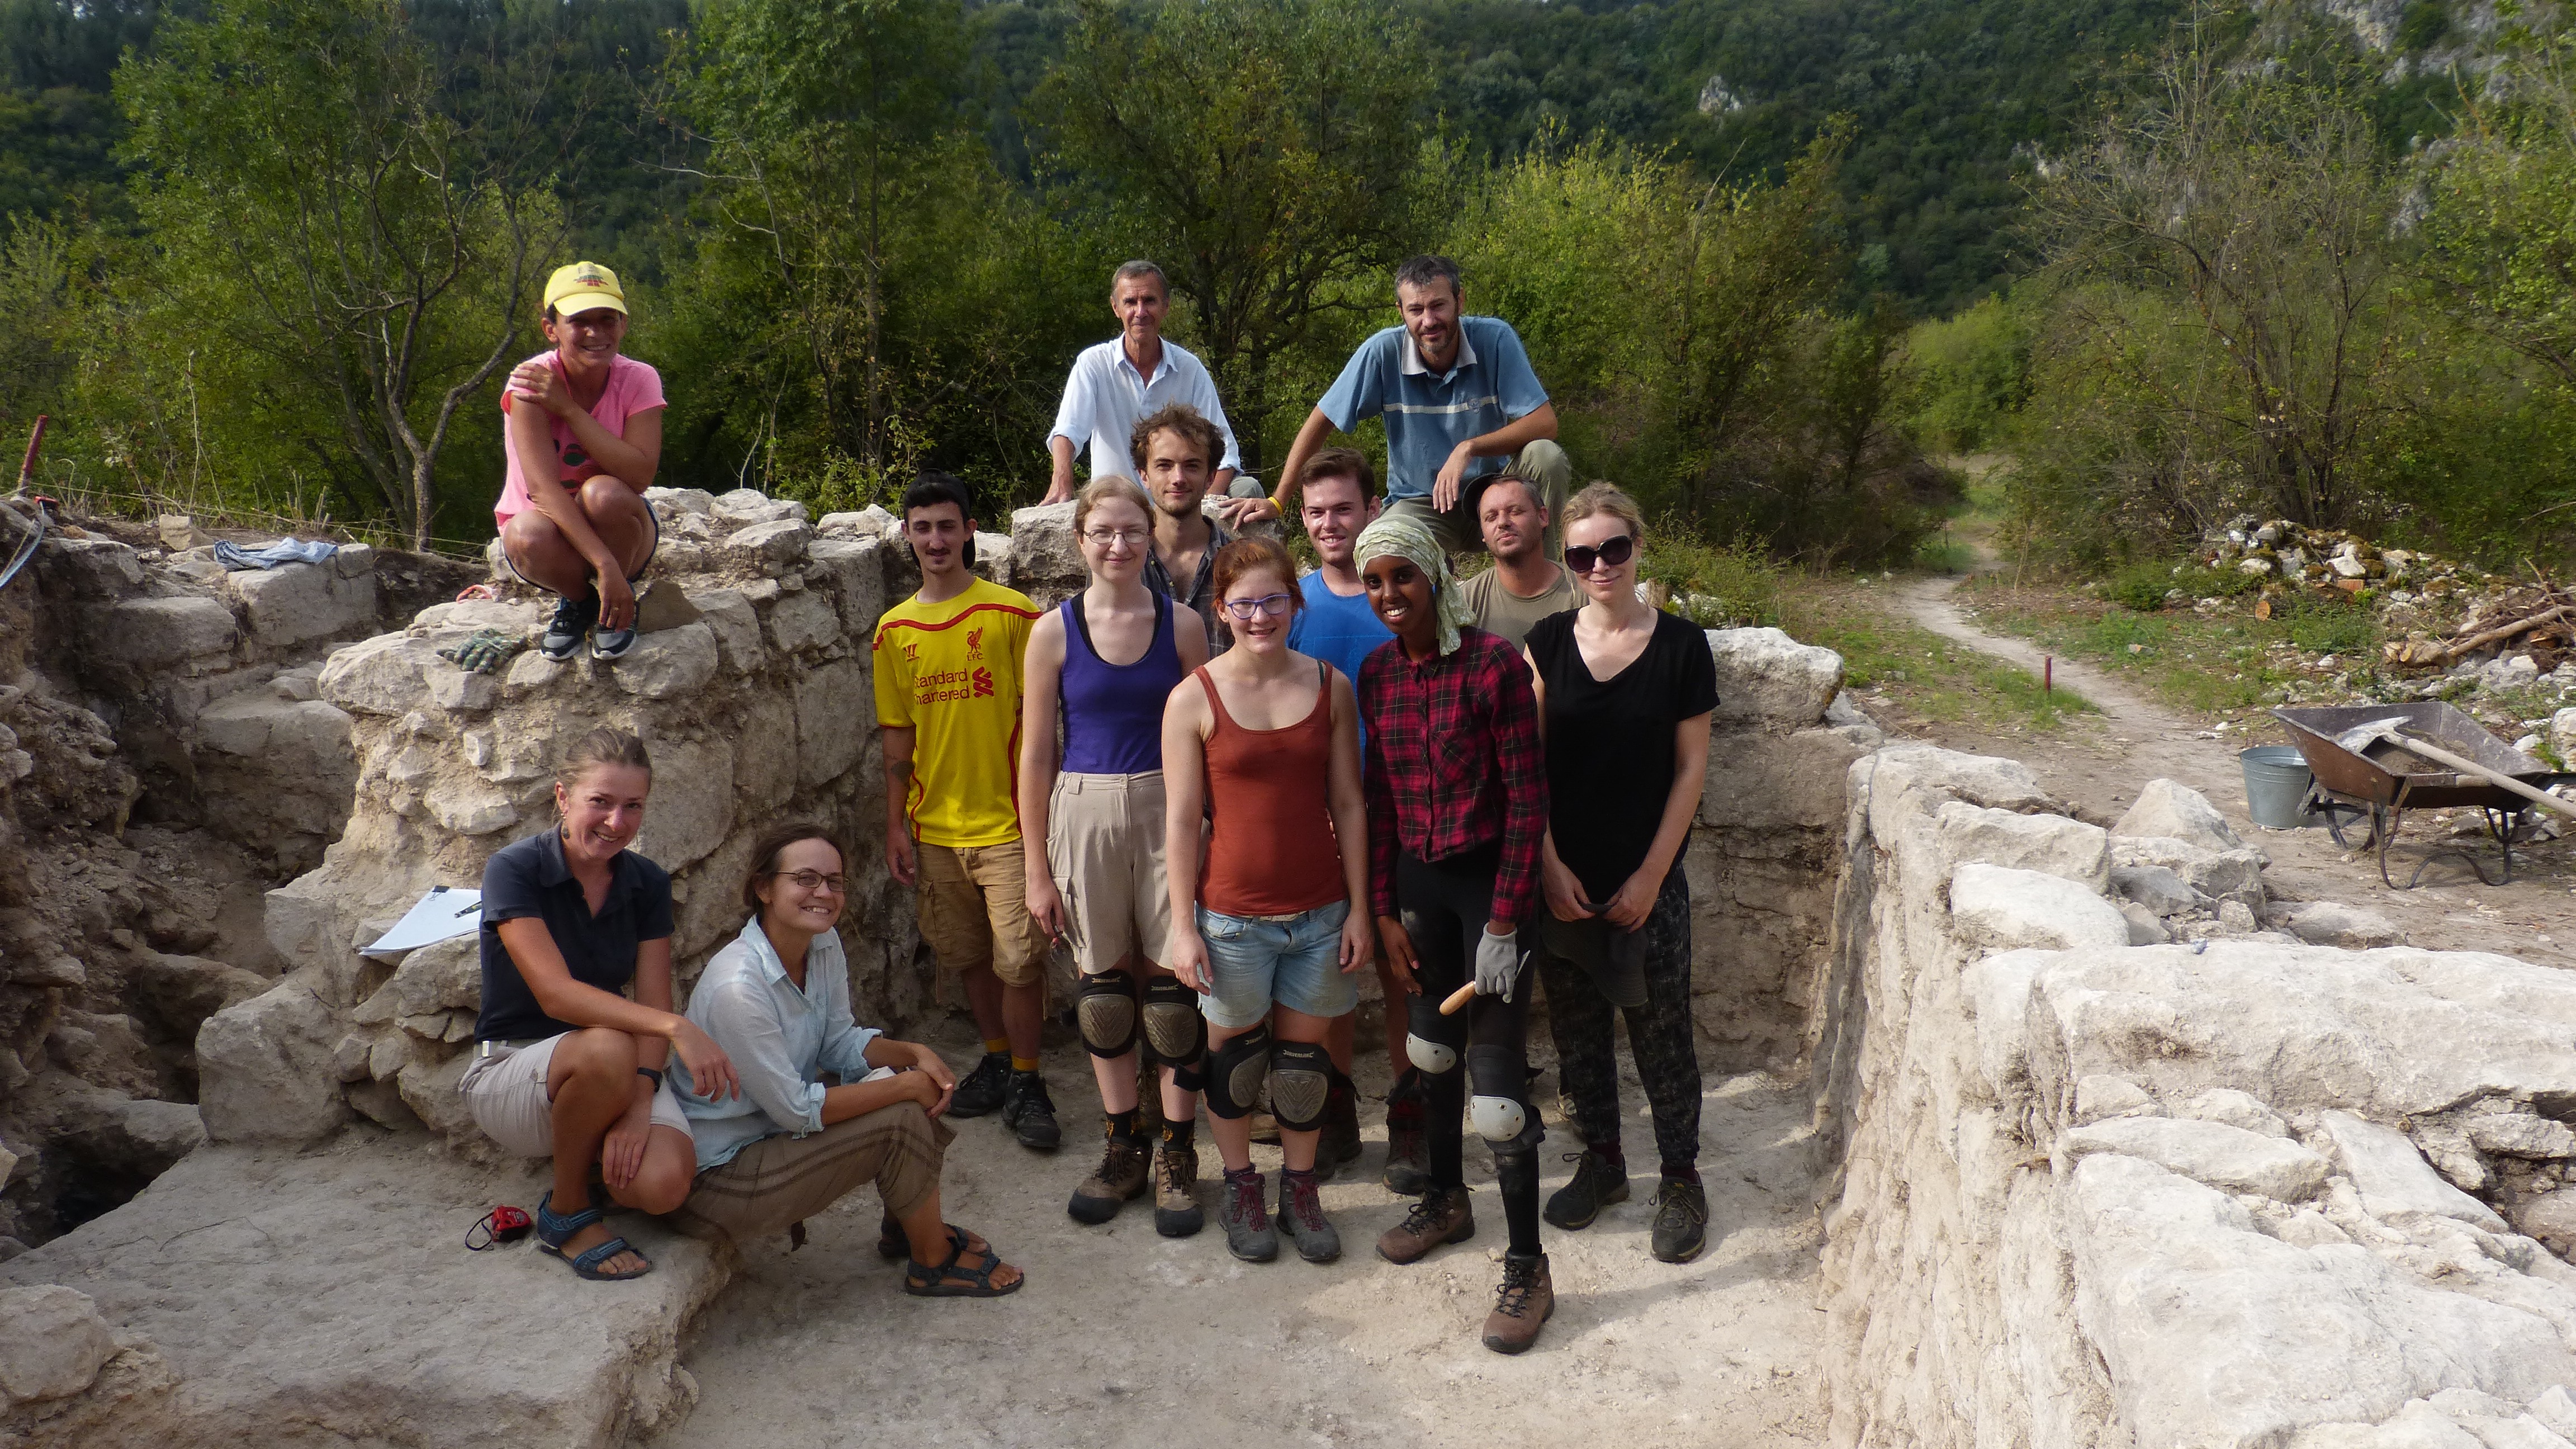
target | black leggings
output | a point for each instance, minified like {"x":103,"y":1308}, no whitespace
{"x":1444,"y":907}
{"x":1659,"y":1035}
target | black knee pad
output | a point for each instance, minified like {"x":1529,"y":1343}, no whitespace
{"x":1174,"y":1030}
{"x":1500,"y":1107}
{"x":1301,"y":1077}
{"x":1432,"y":1042}
{"x":1234,"y":1073}
{"x":1105,"y":1010}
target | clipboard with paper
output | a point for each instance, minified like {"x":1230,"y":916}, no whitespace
{"x":444,"y":913}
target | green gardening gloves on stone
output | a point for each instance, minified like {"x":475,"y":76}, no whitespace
{"x":484,"y":651}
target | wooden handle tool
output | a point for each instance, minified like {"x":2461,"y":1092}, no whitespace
{"x":1458,"y":1000}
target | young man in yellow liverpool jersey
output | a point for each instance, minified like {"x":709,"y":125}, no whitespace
{"x":948,"y":702}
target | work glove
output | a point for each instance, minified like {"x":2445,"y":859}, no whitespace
{"x":1498,"y":964}
{"x":483,"y":651}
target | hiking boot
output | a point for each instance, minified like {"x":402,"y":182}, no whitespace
{"x":1340,"y":1141}
{"x":1126,"y":1170}
{"x":1444,"y":1215}
{"x":982,"y":1090}
{"x":1248,"y":1233}
{"x":1681,"y":1220}
{"x":1521,"y":1305}
{"x":1265,"y":1128}
{"x":1177,"y":1213}
{"x":1302,"y":1212}
{"x":571,"y":623}
{"x":612,"y":643}
{"x":1408,"y":1151}
{"x":1030,"y":1113}
{"x":1598,"y":1182}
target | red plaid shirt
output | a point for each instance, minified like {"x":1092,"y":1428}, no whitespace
{"x":1454,"y":765}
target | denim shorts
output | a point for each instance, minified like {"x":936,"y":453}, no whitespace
{"x":1256,"y":960}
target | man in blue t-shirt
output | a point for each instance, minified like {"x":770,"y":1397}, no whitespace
{"x":1337,"y":625}
{"x":1460,"y":404}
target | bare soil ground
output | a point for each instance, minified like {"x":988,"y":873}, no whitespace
{"x":1122,"y":1337}
{"x":2097,"y":762}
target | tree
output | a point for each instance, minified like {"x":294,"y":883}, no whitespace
{"x":323,"y":194}
{"x":2500,"y":223}
{"x":1263,"y":152}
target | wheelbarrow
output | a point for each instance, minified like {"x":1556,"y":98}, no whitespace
{"x":2381,"y":779}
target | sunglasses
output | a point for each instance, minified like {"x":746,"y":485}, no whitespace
{"x":1274,"y":605}
{"x":1614,"y":553}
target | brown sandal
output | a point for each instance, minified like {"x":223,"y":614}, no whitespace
{"x":953,"y":1279}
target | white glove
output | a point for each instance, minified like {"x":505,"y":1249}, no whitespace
{"x":1498,"y":964}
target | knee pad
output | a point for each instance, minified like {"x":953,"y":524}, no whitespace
{"x":1301,"y":1077}
{"x":1174,"y":1030}
{"x":1501,"y":1115}
{"x":1432,"y":1042}
{"x":1234,"y":1073}
{"x":1105,"y":1010}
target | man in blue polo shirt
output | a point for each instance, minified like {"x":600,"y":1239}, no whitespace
{"x":1460,"y":404}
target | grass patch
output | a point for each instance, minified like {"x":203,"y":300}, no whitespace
{"x":1714,"y":585}
{"x":1916,"y":670}
{"x":2217,"y":663}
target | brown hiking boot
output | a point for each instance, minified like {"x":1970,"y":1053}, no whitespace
{"x":1125,"y":1172}
{"x":1177,"y":1213}
{"x":1444,"y":1215}
{"x":1522,"y":1305}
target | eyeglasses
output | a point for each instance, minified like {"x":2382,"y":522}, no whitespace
{"x":1614,"y":553}
{"x":812,"y":880}
{"x":1104,"y":537}
{"x":1274,"y":605}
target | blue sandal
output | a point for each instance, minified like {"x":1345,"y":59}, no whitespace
{"x":554,"y":1229}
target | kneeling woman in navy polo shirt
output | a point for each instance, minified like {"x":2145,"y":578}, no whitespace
{"x":565,"y":1063}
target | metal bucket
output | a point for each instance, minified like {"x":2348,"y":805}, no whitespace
{"x":2276,"y":785}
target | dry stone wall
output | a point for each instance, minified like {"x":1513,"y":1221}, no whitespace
{"x":2233,"y":1189}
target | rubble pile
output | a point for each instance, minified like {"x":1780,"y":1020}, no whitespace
{"x":2287,"y":556}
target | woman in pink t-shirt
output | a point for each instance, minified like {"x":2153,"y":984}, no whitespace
{"x":583,"y":438}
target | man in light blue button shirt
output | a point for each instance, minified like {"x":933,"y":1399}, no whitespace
{"x":1460,"y":404}
{"x":1131,"y":376}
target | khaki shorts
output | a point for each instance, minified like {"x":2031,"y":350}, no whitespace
{"x":973,"y":909}
{"x":506,"y":1093}
{"x":781,"y":1180}
{"x":1105,"y":850}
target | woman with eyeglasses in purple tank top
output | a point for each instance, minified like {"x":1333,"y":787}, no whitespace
{"x":1103,"y":661}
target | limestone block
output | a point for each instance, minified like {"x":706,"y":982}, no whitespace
{"x":2158,"y":889}
{"x":2174,"y":1285}
{"x":856,"y":570}
{"x":2228,"y":1158}
{"x":2235,"y":916}
{"x":88,"y":568}
{"x":180,"y":533}
{"x":2394,"y":1179}
{"x":764,"y":757}
{"x":2165,"y":808}
{"x":354,"y":559}
{"x":43,"y":968}
{"x":530,"y":672}
{"x":834,"y":709}
{"x":52,"y":1343}
{"x":460,"y":692}
{"x":2049,"y":844}
{"x":2235,"y":875}
{"x":430,"y":1092}
{"x":2562,"y":734}
{"x":1996,"y":989}
{"x":680,"y":500}
{"x":2549,"y":1217}
{"x":464,"y":804}
{"x":768,"y":548}
{"x":296,"y":602}
{"x":178,"y":993}
{"x":2146,"y":928}
{"x":1766,"y":677}
{"x":670,"y":664}
{"x":2236,"y":1109}
{"x":751,"y":506}
{"x":993,"y":555}
{"x":264,"y":1068}
{"x":2331,"y":923}
{"x":2520,"y":1134}
{"x":692,"y":804}
{"x":736,"y":626}
{"x":1046,"y":562}
{"x":149,"y":633}
{"x":2101,"y":1097}
{"x":1800,"y":777}
{"x":869,"y":522}
{"x":470,"y":615}
{"x":444,"y":975}
{"x":1896,"y":783}
{"x":136,"y":1137}
{"x":2003,"y":908}
{"x":803,"y":622}
{"x":387,"y":675}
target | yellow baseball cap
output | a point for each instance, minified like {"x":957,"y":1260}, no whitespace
{"x":582,"y":286}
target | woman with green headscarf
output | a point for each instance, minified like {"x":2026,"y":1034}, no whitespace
{"x":1457,"y":809}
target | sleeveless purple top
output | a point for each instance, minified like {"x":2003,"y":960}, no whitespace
{"x":1113,"y":713}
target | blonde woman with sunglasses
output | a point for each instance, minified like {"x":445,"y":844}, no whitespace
{"x":1103,"y":662}
{"x":1625,"y":694}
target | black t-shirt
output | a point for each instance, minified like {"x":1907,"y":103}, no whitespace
{"x":1610,"y":743}
{"x":529,"y":878}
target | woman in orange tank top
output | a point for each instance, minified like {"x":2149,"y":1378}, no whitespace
{"x":1262,"y":743}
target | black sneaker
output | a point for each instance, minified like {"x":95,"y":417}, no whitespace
{"x":1028,"y":1111}
{"x":571,"y":623}
{"x":1681,"y":1220}
{"x":982,"y":1090}
{"x":1598,"y":1182}
{"x":612,"y":643}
